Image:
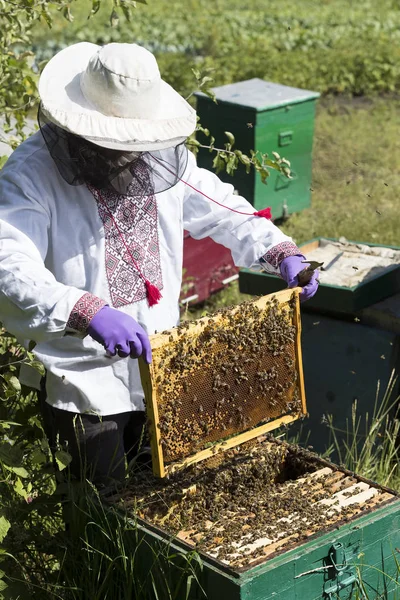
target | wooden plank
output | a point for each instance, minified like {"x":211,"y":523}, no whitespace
{"x":310,"y":246}
{"x":158,"y":340}
{"x":152,"y":412}
{"x":298,"y":353}
{"x":231,"y":443}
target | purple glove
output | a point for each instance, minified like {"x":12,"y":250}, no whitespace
{"x":290,"y":268}
{"x":119,"y":333}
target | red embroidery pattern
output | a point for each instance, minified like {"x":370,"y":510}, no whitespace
{"x":83,"y":312}
{"x":137,"y":220}
{"x":278,"y":253}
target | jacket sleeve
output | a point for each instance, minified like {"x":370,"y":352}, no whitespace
{"x":33,"y":305}
{"x":255,"y":242}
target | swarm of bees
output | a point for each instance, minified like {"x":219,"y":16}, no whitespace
{"x":224,"y":375}
{"x":260,"y":490}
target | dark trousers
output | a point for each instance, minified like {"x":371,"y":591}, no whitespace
{"x":98,"y":446}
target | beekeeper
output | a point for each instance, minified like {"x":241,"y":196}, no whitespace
{"x":92,"y":212}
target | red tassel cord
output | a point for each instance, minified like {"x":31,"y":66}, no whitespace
{"x":265,"y":212}
{"x":153,"y":294}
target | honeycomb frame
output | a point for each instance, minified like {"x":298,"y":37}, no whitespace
{"x":168,"y":455}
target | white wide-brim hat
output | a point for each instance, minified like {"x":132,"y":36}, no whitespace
{"x":114,"y":96}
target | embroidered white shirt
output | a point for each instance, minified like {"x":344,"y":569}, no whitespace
{"x":59,"y":264}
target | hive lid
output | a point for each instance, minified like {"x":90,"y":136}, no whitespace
{"x":260,"y":95}
{"x":223,"y":380}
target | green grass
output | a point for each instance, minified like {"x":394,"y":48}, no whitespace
{"x":346,"y":196}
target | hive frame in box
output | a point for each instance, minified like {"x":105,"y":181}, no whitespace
{"x":147,"y":373}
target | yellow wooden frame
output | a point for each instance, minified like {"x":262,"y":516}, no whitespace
{"x":147,"y":376}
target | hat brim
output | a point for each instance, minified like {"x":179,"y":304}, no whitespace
{"x":65,"y":105}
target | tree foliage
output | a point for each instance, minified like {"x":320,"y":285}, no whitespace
{"x":18,"y":67}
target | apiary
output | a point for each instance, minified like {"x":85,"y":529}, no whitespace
{"x":269,"y":520}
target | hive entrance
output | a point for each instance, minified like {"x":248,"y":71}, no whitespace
{"x":223,"y":376}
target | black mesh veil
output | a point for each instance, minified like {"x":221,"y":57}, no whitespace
{"x":128,"y":173}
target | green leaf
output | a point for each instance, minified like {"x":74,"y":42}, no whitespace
{"x":38,"y":457}
{"x":31,"y":346}
{"x":114,"y":18}
{"x":3,"y":586}
{"x":218,"y":163}
{"x":47,"y":17}
{"x":63,"y":459}
{"x":211,"y":95}
{"x":196,"y":73}
{"x":127,"y":12}
{"x":20,"y":471}
{"x":205,"y":80}
{"x":230,"y":137}
{"x":11,"y":455}
{"x":14,"y":382}
{"x":232,"y":164}
{"x":19,"y":489}
{"x":4,"y":527}
{"x":95,"y":7}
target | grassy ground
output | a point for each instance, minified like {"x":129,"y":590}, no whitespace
{"x":356,"y":175}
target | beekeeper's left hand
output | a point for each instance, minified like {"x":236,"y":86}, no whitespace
{"x":290,"y":267}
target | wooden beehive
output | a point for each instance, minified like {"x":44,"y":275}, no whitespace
{"x":270,"y":521}
{"x":235,"y":375}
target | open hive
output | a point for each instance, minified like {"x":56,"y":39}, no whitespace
{"x":249,"y":503}
{"x":231,"y":376}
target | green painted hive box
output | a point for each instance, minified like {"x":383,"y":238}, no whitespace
{"x":320,"y":532}
{"x":268,"y":520}
{"x":267,"y":117}
{"x":355,"y":275}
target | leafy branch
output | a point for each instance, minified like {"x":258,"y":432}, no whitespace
{"x":203,"y":80}
{"x":228,"y":159}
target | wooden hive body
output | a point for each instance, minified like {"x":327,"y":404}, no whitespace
{"x":330,"y":531}
{"x":270,"y":521}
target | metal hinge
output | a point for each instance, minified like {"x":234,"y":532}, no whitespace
{"x":344,"y":573}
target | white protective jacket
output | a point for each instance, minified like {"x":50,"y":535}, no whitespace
{"x":61,"y":260}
